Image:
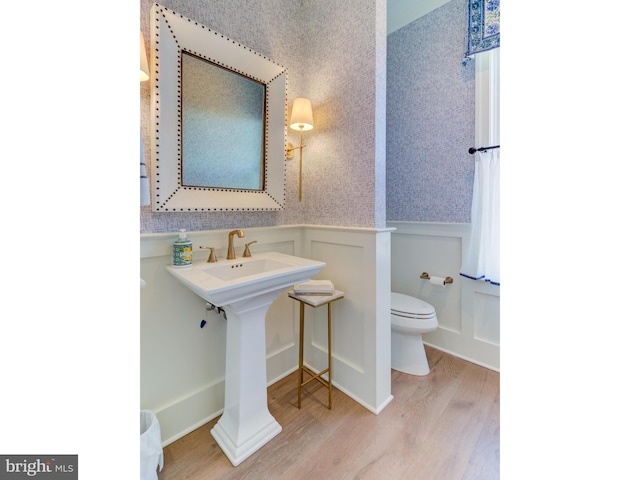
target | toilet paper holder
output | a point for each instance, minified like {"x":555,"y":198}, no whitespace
{"x":426,"y":276}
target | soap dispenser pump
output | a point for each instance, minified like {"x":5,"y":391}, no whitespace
{"x":182,"y":250}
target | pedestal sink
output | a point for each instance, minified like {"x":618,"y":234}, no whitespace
{"x":245,"y":288}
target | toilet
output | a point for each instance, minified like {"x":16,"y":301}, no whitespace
{"x":410,"y":318}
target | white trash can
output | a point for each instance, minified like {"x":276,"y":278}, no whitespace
{"x":151,"y":456}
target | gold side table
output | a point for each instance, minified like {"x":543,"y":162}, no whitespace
{"x":315,"y":301}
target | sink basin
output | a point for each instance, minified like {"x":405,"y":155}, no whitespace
{"x":236,"y":270}
{"x":228,"y":281}
{"x":246,"y":288}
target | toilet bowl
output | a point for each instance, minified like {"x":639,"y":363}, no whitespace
{"x":410,"y":319}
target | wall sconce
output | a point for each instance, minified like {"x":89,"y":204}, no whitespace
{"x":301,"y":120}
{"x":144,"y":66}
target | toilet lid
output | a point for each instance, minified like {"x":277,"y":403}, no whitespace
{"x":405,"y":305}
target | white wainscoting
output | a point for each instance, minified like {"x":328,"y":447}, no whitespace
{"x":468,"y":311}
{"x":358,"y":263}
{"x":182,"y":365}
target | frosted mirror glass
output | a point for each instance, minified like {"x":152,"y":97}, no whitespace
{"x":219,"y":111}
{"x":222,"y":127}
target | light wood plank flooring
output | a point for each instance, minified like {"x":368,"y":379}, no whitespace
{"x":444,"y":426}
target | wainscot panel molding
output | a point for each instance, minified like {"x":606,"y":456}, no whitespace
{"x":182,"y":358}
{"x":468,"y":310}
{"x":358,"y":263}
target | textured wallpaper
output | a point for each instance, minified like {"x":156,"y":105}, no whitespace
{"x":430,"y":119}
{"x":345,"y":48}
{"x":335,"y":54}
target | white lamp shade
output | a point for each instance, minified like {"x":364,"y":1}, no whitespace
{"x":301,"y":114}
{"x":144,"y":66}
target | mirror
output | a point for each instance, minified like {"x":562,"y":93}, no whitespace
{"x":220,"y":120}
{"x":222,"y":108}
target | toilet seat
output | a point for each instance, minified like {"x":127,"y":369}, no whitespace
{"x":412,"y":315}
{"x":411,"y":307}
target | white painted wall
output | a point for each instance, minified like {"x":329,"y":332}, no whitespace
{"x":468,"y":311}
{"x":182,"y":365}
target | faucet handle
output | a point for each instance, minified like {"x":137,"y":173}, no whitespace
{"x":247,"y":252}
{"x":212,"y":254}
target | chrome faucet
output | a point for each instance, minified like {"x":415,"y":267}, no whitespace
{"x":231,"y":252}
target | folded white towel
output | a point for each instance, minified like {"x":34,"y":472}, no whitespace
{"x":314,"y":287}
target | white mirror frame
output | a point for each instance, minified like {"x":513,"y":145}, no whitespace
{"x":172,"y":34}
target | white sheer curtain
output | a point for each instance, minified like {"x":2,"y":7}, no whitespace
{"x":481,"y":261}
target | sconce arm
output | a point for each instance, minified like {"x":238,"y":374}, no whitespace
{"x":290,"y":150}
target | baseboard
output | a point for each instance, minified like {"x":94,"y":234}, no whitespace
{"x":468,"y":359}
{"x":352,"y":396}
{"x":190,"y":412}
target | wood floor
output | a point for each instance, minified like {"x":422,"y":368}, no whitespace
{"x":445,"y":426}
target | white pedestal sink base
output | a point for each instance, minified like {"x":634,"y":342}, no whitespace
{"x":245,"y":288}
{"x":238,"y":453}
{"x":246,"y":424}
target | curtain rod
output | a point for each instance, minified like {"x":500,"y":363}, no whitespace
{"x":481,"y":149}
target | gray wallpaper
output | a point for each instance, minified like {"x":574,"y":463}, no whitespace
{"x":335,"y":55}
{"x":372,"y":156}
{"x":430,"y":119}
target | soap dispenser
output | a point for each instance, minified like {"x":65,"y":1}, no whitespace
{"x":182,"y":250}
